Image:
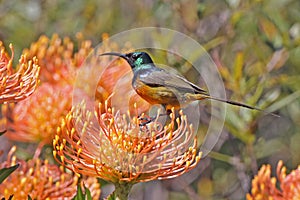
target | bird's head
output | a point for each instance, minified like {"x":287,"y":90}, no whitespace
{"x":134,"y":59}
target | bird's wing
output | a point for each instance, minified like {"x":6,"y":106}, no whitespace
{"x":162,"y":77}
{"x":196,"y":88}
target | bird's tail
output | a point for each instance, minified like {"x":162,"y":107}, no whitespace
{"x":241,"y":105}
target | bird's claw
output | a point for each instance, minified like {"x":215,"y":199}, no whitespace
{"x":145,"y":120}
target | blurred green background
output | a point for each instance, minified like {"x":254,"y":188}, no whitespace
{"x":255,"y":44}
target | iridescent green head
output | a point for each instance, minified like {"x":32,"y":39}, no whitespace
{"x":135,"y":59}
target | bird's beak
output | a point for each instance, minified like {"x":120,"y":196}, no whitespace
{"x":114,"y":54}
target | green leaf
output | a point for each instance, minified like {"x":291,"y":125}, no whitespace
{"x":88,"y":193}
{"x":283,"y":102}
{"x":82,"y":196}
{"x":29,"y":197}
{"x":10,"y":197}
{"x":111,"y":197}
{"x":2,"y":132}
{"x":5,"y":172}
{"x":79,"y":194}
{"x":238,"y":67}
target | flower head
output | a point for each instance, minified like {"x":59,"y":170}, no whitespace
{"x":57,"y":58}
{"x":264,"y":187}
{"x":117,"y":148}
{"x":35,"y":119}
{"x":289,"y":183}
{"x":17,"y":85}
{"x":41,"y":180}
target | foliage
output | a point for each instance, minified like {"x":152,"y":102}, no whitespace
{"x":6,"y":171}
{"x":80,"y":195}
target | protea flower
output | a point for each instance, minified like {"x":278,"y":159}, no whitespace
{"x":17,"y":85}
{"x":122,"y":149}
{"x":289,"y":183}
{"x":41,"y":180}
{"x":285,"y":187}
{"x":35,"y":119}
{"x":58,"y":59}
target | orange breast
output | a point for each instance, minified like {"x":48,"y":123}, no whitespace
{"x":157,"y":95}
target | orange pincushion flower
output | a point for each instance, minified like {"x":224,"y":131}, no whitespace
{"x":289,"y":184}
{"x":35,"y":119}
{"x":264,"y":186}
{"x":57,"y":58}
{"x":17,"y":85}
{"x":41,"y":180}
{"x":60,"y":64}
{"x":120,"y":150}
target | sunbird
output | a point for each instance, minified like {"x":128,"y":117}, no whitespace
{"x":159,"y":86}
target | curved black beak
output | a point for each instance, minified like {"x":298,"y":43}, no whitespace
{"x":114,"y":54}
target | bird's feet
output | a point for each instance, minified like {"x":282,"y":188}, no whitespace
{"x":145,"y":119}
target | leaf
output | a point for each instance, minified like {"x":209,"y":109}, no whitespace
{"x":268,"y":29}
{"x":283,"y":102}
{"x":29,"y":197}
{"x":79,"y":194}
{"x":10,"y":197}
{"x":88,"y":193}
{"x":5,"y":172}
{"x":111,"y":197}
{"x":264,"y":148}
{"x":2,"y":132}
{"x":82,"y":196}
{"x":238,"y":67}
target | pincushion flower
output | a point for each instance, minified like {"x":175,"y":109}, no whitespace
{"x":58,"y":59}
{"x":17,"y":85}
{"x":118,"y":149}
{"x":35,"y":119}
{"x":41,"y":180}
{"x":264,"y":187}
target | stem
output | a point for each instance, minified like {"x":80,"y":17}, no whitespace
{"x":121,"y":191}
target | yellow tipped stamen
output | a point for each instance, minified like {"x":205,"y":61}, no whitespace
{"x":180,"y":112}
{"x":13,"y":160}
{"x":188,"y":163}
{"x":23,"y":180}
{"x":30,"y":171}
{"x":72,"y":132}
{"x":79,"y":151}
{"x":122,"y":145}
{"x":62,"y":158}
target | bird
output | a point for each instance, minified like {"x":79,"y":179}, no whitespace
{"x":159,"y":86}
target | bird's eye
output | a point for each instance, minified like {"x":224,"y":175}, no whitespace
{"x":135,"y":55}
